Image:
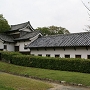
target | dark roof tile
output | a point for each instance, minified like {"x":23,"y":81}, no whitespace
{"x":28,"y":35}
{"x":64,"y":40}
{"x":6,"y":38}
{"x":20,"y":26}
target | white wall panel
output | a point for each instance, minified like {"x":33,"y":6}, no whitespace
{"x":1,"y":44}
{"x":10,"y":46}
{"x":71,"y":51}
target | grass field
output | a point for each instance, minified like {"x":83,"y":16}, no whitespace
{"x":5,"y":88}
{"x":70,"y":77}
{"x":20,"y":83}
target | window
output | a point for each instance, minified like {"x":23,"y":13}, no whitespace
{"x":5,"y":46}
{"x":39,"y":54}
{"x":67,"y":56}
{"x":57,"y":56}
{"x":77,"y":56}
{"x":88,"y":56}
{"x":16,"y":48}
{"x":47,"y":55}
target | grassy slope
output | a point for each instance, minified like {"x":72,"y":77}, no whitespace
{"x":5,"y":88}
{"x":74,"y":77}
{"x":21,"y":83}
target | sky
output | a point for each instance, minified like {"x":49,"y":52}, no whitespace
{"x":70,"y":14}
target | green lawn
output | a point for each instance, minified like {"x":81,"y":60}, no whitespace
{"x":5,"y":88}
{"x":69,"y":77}
{"x":21,"y":83}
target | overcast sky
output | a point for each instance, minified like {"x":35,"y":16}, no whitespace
{"x":70,"y":14}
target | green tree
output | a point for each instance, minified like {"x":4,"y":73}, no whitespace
{"x":44,"y":30}
{"x":52,"y":30}
{"x":4,"y":26}
{"x":63,"y":31}
{"x":58,"y":30}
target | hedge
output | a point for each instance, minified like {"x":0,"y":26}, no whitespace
{"x":77,"y":65}
{"x":7,"y":56}
{"x":64,"y":64}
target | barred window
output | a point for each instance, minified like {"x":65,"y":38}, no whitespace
{"x":47,"y":55}
{"x":88,"y":56}
{"x":5,"y":46}
{"x":39,"y":54}
{"x":77,"y":56}
{"x":67,"y":56}
{"x":57,"y":55}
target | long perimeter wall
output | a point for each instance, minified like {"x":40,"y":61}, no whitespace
{"x":84,"y":52}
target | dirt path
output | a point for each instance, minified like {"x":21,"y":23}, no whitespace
{"x":62,"y":87}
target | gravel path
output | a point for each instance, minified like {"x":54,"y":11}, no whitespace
{"x":62,"y":87}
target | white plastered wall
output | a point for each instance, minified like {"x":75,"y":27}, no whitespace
{"x":1,"y":44}
{"x":10,"y":46}
{"x":22,"y":44}
{"x":60,"y":51}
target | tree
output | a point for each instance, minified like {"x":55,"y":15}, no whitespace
{"x":52,"y":30}
{"x":86,"y":6}
{"x":63,"y":31}
{"x":58,"y":30}
{"x":4,"y":26}
{"x":44,"y":30}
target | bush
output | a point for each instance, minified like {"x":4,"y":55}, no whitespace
{"x":7,"y":56}
{"x":64,"y":64}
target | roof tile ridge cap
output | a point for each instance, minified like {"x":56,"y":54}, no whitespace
{"x":65,"y":34}
{"x":30,"y":25}
{"x":58,"y":35}
{"x":80,"y":33}
{"x":20,"y":24}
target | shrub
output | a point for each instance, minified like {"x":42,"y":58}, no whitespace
{"x":64,"y":64}
{"x":7,"y":56}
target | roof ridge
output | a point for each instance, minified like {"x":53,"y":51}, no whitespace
{"x":21,"y":23}
{"x":21,"y":26}
{"x":66,"y":34}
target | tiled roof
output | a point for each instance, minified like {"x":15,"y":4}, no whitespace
{"x":20,"y":26}
{"x":6,"y":38}
{"x":63,"y":40}
{"x":28,"y":35}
